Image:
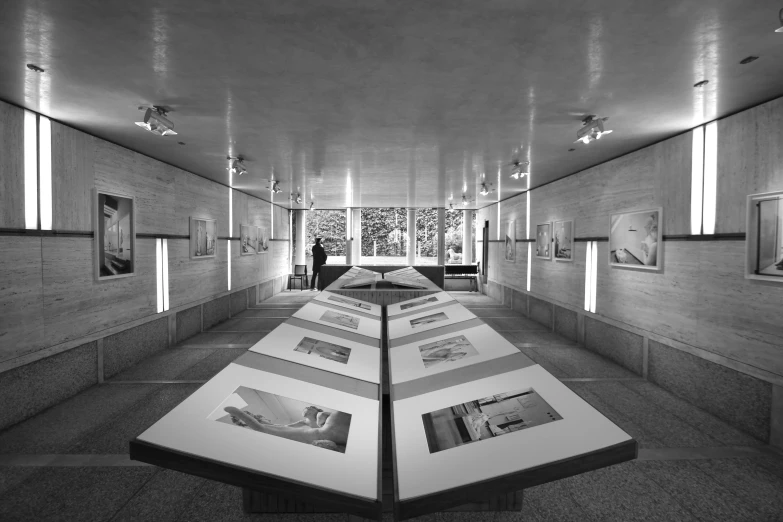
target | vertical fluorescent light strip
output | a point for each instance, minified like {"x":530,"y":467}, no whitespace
{"x":529,"y":268}
{"x":498,"y":220}
{"x":159,"y":272}
{"x":30,"y":171}
{"x":45,"y":170}
{"x":710,"y":176}
{"x":165,"y":264}
{"x":271,"y":221}
{"x":588,"y":277}
{"x":527,"y":236}
{"x":230,"y":229}
{"x":594,"y":278}
{"x":697,"y":179}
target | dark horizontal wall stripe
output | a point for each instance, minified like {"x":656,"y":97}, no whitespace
{"x":586,"y":239}
{"x":279,"y":240}
{"x":161,"y":236}
{"x":706,"y":237}
{"x":44,"y":233}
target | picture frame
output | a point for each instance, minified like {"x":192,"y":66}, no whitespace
{"x":115,"y":235}
{"x":263,"y":240}
{"x":635,"y":239}
{"x":203,"y":238}
{"x":248,"y":240}
{"x":511,"y":241}
{"x":764,"y":237}
{"x":563,"y":240}
{"x":544,"y":241}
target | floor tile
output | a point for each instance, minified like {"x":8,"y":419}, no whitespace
{"x":575,"y":361}
{"x":217,"y":338}
{"x":165,"y":365}
{"x":265,"y":312}
{"x":750,"y":482}
{"x":209,"y":367}
{"x":247,"y":324}
{"x":162,"y":499}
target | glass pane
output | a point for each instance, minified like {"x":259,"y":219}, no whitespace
{"x":384,"y":236}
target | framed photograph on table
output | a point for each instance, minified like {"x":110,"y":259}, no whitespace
{"x":764,"y":243}
{"x":203,"y":238}
{"x":115,"y":236}
{"x":511,"y":241}
{"x":544,"y":241}
{"x":635,"y":239}
{"x":563,"y":240}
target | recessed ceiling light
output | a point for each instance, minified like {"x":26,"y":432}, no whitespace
{"x":592,"y":129}
{"x":701,"y":83}
{"x":156,"y":122}
{"x":34,"y":68}
{"x":749,"y":59}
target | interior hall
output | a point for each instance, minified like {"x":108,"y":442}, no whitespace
{"x":354,"y":260}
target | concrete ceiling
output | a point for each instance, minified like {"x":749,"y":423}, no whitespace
{"x":388,"y":103}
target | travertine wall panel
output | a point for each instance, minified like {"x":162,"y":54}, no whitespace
{"x":73,"y":178}
{"x":21,"y":296}
{"x":194,"y":279}
{"x":11,"y":166}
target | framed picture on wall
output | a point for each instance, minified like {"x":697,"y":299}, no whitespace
{"x":248,"y":240}
{"x":764,"y":240}
{"x":263,"y":240}
{"x":563,"y":240}
{"x":203,"y":238}
{"x":511,"y":241}
{"x":635,"y":239}
{"x":544,"y":241}
{"x":115,"y":236}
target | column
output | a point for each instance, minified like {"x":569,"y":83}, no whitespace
{"x":441,"y":236}
{"x":356,"y":244}
{"x":411,"y":236}
{"x":301,"y":222}
{"x":467,"y":237}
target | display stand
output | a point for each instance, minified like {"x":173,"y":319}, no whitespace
{"x":380,"y":291}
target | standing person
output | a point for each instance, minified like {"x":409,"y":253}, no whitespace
{"x":319,"y":259}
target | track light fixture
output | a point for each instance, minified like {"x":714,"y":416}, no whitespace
{"x":236,"y":165}
{"x":464,"y":200}
{"x":519,"y":169}
{"x":780,"y":17}
{"x":156,"y":122}
{"x":451,"y":206}
{"x":297,"y":199}
{"x":312,"y":205}
{"x":275,"y":188}
{"x":484,"y":189}
{"x":592,"y":129}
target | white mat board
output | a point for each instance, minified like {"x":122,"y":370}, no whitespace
{"x":418,"y":304}
{"x":429,"y":320}
{"x":348,"y":303}
{"x":581,"y":430}
{"x":363,"y":361}
{"x":417,"y":359}
{"x":188,"y":428}
{"x":339,"y":319}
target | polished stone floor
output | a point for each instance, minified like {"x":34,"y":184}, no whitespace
{"x":70,"y":462}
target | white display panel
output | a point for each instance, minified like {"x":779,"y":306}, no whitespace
{"x":341,"y":320}
{"x":580,"y":429}
{"x":418,"y":304}
{"x":442,"y":353}
{"x":330,"y":353}
{"x":194,"y":428}
{"x":428,"y":320}
{"x":349,"y":303}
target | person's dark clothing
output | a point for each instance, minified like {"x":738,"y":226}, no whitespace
{"x":319,"y":259}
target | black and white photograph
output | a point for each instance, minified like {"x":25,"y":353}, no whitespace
{"x":287,"y":418}
{"x":358,"y":282}
{"x":486,"y":418}
{"x":115,"y":236}
{"x":764,"y":245}
{"x":446,"y":350}
{"x":420,"y":302}
{"x":563,"y":236}
{"x":634,"y":239}
{"x":434,"y":318}
{"x":203,"y":238}
{"x":248,"y":240}
{"x":263,"y":240}
{"x":323,"y":349}
{"x":350,"y":302}
{"x":511,"y":241}
{"x":544,"y":241}
{"x":340,"y":319}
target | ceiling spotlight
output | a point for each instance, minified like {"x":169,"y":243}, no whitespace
{"x":236,"y":165}
{"x":519,"y":169}
{"x":464,"y":200}
{"x":592,"y":129}
{"x":298,"y":198}
{"x":780,"y":17}
{"x":275,"y":188}
{"x":451,"y":206}
{"x":34,"y":68}
{"x":701,"y":83}
{"x":484,"y":189}
{"x":156,"y":122}
{"x":312,"y":205}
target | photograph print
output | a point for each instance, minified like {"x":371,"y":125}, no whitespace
{"x":447,"y":350}
{"x":634,"y":239}
{"x":349,"y":302}
{"x":764,"y":245}
{"x":263,"y":240}
{"x":486,"y":418}
{"x":284,"y":417}
{"x":427,"y":319}
{"x":544,"y":241}
{"x":418,"y":303}
{"x":563,"y":235}
{"x":115,"y":236}
{"x":324,"y":349}
{"x":203,"y":238}
{"x":248,"y":240}
{"x":511,"y":241}
{"x":340,"y":319}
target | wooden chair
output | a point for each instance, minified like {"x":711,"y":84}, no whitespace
{"x":300,"y":273}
